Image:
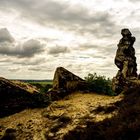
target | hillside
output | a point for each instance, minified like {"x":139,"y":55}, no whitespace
{"x":124,"y":125}
{"x":80,"y":116}
{"x":28,"y":115}
{"x":59,"y":119}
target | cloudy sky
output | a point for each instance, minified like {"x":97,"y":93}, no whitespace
{"x":80,"y":35}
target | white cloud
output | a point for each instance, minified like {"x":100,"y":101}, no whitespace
{"x":81,"y":35}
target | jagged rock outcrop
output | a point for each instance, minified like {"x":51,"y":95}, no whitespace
{"x":66,"y":80}
{"x":125,"y":60}
{"x":27,"y":86}
{"x":14,"y":98}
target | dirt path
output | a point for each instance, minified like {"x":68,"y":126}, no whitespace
{"x":58,"y":119}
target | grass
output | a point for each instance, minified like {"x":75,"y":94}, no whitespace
{"x":43,"y":86}
{"x":41,"y":82}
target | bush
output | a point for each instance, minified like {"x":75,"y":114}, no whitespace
{"x":43,"y":87}
{"x":99,"y":84}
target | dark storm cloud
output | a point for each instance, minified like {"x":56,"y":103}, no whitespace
{"x":58,"y":49}
{"x":5,"y":36}
{"x":27,"y":49}
{"x":63,"y":15}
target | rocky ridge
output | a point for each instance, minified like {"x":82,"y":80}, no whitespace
{"x":14,"y":98}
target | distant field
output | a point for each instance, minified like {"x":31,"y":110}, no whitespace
{"x":41,"y":82}
{"x":42,"y":85}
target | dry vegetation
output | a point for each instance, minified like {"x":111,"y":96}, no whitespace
{"x":78,"y":116}
{"x":60,"y":118}
{"x":29,"y":87}
{"x":125,"y":125}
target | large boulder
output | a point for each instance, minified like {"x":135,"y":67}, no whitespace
{"x":14,"y":98}
{"x":66,"y":80}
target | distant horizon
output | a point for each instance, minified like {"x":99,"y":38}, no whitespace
{"x":31,"y":79}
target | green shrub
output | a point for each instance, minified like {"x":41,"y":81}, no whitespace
{"x":43,"y":87}
{"x":99,"y":84}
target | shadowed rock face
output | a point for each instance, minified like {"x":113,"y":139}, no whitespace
{"x":66,"y":80}
{"x":125,"y":60}
{"x":14,"y":98}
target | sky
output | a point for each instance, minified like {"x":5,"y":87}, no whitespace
{"x":36,"y":36}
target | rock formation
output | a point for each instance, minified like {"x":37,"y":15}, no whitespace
{"x":14,"y":98}
{"x":125,"y":60}
{"x":65,"y":80}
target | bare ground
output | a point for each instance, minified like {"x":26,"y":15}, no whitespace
{"x":56,"y":120}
